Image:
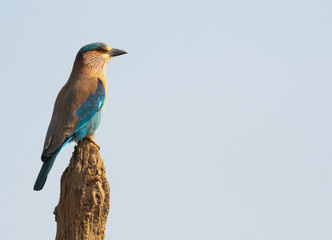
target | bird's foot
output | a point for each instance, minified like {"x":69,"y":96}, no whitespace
{"x":90,"y":138}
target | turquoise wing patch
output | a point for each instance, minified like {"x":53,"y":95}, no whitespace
{"x":90,"y":107}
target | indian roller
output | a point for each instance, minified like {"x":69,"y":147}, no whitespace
{"x":79,"y":105}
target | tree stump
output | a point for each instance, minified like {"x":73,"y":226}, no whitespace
{"x":85,"y":196}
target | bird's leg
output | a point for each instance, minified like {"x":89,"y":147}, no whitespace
{"x":90,"y":138}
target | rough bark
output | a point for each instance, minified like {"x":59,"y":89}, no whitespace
{"x":85,"y":196}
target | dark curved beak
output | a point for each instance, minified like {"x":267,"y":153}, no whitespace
{"x":116,"y":52}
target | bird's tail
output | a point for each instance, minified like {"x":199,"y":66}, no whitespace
{"x":43,"y":173}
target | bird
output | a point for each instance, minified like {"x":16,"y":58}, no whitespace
{"x":79,"y":104}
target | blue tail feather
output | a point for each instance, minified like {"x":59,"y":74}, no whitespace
{"x":43,"y":173}
{"x":46,"y":167}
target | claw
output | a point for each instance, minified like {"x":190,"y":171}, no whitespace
{"x":90,"y":138}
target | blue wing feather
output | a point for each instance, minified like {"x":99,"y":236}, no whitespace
{"x":90,"y":107}
{"x":85,"y":113}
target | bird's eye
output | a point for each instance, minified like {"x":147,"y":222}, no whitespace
{"x":98,"y":49}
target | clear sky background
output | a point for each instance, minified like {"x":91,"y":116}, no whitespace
{"x":217,"y":123}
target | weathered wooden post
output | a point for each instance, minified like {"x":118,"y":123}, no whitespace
{"x":85,"y":196}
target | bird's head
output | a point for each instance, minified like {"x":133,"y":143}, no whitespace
{"x":96,"y":55}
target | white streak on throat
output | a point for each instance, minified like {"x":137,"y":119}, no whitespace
{"x":97,"y":62}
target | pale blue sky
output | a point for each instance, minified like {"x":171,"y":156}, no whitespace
{"x":217,"y":123}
